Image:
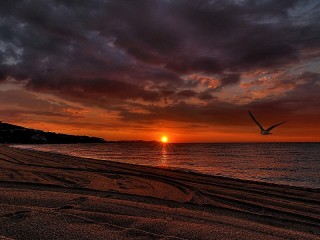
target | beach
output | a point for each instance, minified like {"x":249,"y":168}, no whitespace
{"x":51,"y":196}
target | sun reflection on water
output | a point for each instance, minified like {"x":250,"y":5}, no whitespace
{"x":164,"y":156}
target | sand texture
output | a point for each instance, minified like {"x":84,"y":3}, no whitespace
{"x":51,"y":196}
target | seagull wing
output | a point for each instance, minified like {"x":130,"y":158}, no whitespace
{"x":276,"y":125}
{"x":255,"y":120}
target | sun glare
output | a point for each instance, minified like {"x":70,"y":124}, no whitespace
{"x":164,"y":139}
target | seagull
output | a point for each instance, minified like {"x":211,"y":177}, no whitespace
{"x":263,"y":131}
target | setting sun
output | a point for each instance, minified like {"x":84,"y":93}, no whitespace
{"x":164,"y":139}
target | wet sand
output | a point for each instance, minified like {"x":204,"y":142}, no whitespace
{"x":52,"y":196}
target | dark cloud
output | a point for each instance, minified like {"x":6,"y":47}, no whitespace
{"x":97,"y":52}
{"x":230,"y":79}
{"x":21,"y":105}
{"x":205,"y":96}
{"x":93,"y":88}
{"x":299,"y":102}
{"x":186,"y":93}
{"x":213,"y":114}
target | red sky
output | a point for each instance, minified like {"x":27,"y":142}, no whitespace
{"x":190,"y":70}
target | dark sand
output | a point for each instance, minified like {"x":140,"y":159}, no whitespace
{"x":51,"y":196}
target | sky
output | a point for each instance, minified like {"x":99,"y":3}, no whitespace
{"x":141,"y":69}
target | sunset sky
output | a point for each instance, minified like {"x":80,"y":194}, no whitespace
{"x":141,"y":69}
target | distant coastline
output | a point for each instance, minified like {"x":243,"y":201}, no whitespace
{"x":132,"y":141}
{"x":14,"y":134}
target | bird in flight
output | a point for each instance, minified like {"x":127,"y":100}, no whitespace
{"x":264,"y":131}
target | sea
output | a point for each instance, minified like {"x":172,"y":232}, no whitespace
{"x":294,"y":164}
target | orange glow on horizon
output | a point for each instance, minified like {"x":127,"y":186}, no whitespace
{"x":191,"y":135}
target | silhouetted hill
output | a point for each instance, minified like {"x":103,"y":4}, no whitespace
{"x":10,"y":133}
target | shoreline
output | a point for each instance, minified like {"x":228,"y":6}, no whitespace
{"x":85,"y":198}
{"x":179,"y":170}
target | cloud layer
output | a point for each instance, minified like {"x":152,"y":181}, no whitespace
{"x":168,"y":59}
